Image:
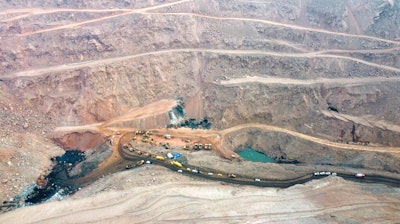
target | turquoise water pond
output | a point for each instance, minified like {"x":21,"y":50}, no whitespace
{"x":250,"y":154}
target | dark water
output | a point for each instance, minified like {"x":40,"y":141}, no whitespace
{"x":58,"y":181}
{"x":250,"y":154}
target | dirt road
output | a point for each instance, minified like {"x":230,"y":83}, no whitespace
{"x":273,"y":23}
{"x":289,"y":81}
{"x":366,"y":120}
{"x":77,"y":24}
{"x":216,"y":137}
{"x":394,"y":150}
{"x":147,"y":9}
{"x":73,"y":66}
{"x":152,"y":194}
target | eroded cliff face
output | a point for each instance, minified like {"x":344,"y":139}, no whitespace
{"x":282,"y":63}
{"x":88,"y":66}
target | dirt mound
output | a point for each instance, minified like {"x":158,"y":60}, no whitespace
{"x":80,"y":140}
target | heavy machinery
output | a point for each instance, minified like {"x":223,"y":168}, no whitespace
{"x":161,"y":158}
{"x":169,"y":155}
{"x":333,"y":109}
{"x":207,"y":146}
{"x":176,"y":163}
{"x":232,"y":175}
{"x":165,"y":145}
{"x":147,"y":134}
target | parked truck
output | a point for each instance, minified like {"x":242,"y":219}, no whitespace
{"x":161,"y":158}
{"x":359,"y":175}
{"x":176,"y":163}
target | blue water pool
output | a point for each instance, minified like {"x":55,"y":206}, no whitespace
{"x":250,"y":154}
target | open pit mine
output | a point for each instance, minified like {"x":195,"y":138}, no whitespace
{"x":198,"y":111}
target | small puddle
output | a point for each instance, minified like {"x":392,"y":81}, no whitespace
{"x":250,"y":154}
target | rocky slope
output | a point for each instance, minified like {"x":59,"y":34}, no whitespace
{"x":282,"y":63}
{"x":89,"y":73}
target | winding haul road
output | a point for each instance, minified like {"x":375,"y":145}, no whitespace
{"x":29,"y":12}
{"x":93,"y":63}
{"x":393,"y":150}
{"x":131,"y":156}
{"x":149,"y":11}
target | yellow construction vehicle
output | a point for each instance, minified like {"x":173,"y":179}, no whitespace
{"x":177,"y":164}
{"x":147,"y":134}
{"x":161,"y":158}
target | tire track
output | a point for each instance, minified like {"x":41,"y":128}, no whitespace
{"x":393,"y":150}
{"x":125,"y":12}
{"x":306,"y":82}
{"x":78,"y":65}
{"x":273,"y":23}
{"x":145,"y":11}
{"x":32,"y":12}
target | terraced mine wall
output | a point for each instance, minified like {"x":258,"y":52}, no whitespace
{"x":289,"y":149}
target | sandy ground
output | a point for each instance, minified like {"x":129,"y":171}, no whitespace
{"x":152,"y":194}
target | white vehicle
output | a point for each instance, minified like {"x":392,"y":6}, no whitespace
{"x":327,"y":173}
{"x":334,"y":174}
{"x":169,"y":155}
{"x":210,"y":174}
{"x":195,"y":171}
{"x":179,"y":171}
{"x":322,"y":173}
{"x":316,"y":174}
{"x":148,"y":162}
{"x":257,"y":180}
{"x":359,"y":175}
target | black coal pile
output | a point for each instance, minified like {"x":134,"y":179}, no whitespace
{"x":193,"y":124}
{"x":58,"y":183}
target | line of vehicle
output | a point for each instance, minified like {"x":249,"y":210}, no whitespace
{"x":243,"y":180}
